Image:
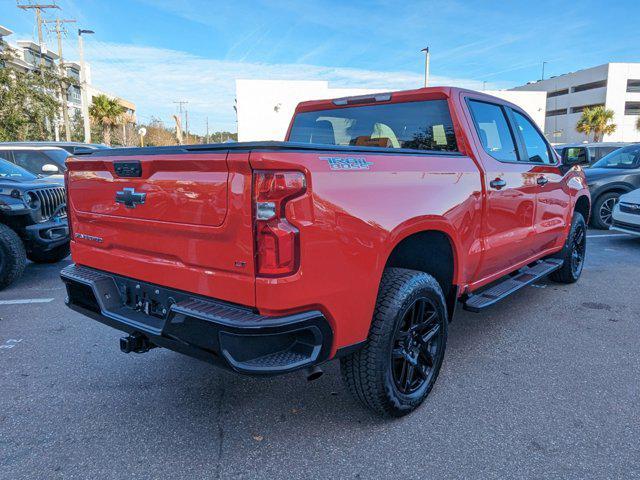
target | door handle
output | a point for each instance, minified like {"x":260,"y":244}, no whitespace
{"x":498,"y":183}
{"x":542,"y":181}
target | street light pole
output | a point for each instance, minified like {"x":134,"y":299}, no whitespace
{"x":83,"y":87}
{"x":426,"y":66}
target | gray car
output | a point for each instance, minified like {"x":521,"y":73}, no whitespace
{"x":610,"y":177}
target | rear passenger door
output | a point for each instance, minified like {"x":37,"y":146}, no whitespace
{"x":508,"y":226}
{"x":552,"y":199}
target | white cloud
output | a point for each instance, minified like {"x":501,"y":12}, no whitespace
{"x":154,"y":78}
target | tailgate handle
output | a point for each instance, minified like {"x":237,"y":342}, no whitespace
{"x":128,"y":169}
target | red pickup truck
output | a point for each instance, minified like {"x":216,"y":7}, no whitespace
{"x":355,"y":239}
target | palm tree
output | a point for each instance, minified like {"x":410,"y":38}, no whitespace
{"x":596,"y":121}
{"x":106,"y":112}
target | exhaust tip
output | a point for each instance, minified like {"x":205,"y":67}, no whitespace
{"x":313,"y":373}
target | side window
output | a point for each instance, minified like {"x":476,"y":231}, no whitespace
{"x":536,"y":146}
{"x":493,"y":130}
{"x":5,"y":155}
{"x":602,"y":151}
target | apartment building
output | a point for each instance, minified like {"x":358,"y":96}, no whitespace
{"x":616,"y":86}
{"x":29,"y":56}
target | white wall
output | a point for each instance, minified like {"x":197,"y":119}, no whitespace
{"x":534,"y":103}
{"x":265,"y":107}
{"x":617,"y":96}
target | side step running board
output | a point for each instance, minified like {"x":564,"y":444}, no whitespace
{"x":479,"y":301}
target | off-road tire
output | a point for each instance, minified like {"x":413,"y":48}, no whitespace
{"x":50,"y":256}
{"x":596,"y":220}
{"x":568,"y":273}
{"x":367,"y":373}
{"x":12,"y":256}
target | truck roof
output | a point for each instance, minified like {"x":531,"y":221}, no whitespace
{"x":428,"y":93}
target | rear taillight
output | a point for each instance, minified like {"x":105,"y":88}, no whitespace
{"x":277,"y":241}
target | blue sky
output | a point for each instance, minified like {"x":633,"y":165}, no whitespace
{"x":156,"y":51}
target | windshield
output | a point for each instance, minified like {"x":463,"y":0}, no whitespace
{"x":13,"y":172}
{"x":58,"y":156}
{"x":416,"y":125}
{"x":627,"y":157}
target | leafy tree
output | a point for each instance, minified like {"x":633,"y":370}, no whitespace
{"x":106,"y":112}
{"x":596,"y":121}
{"x":28,"y":101}
{"x":220,"y":137}
{"x":158,"y":134}
{"x":638,"y":124}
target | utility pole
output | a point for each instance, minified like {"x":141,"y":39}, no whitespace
{"x":39,"y":7}
{"x":178,"y":120}
{"x":83,"y":87}
{"x":63,"y":93}
{"x":180,"y":104}
{"x":207,"y":137}
{"x":426,"y":66}
{"x":186,"y":124}
{"x":543,"y":64}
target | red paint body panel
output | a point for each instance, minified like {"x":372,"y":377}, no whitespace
{"x":195,"y":224}
{"x":195,"y":232}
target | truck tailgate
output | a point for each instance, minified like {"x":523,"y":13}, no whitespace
{"x":181,"y":220}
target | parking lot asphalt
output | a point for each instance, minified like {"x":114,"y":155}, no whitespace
{"x":544,"y":385}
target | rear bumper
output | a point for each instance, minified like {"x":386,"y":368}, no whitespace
{"x":220,"y":333}
{"x":632,"y":229}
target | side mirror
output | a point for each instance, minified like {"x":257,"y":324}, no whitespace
{"x":50,"y":168}
{"x":575,"y":156}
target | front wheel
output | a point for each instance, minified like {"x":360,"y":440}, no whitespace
{"x":398,"y":366}
{"x":12,"y":256}
{"x":603,"y":210}
{"x":574,"y":252}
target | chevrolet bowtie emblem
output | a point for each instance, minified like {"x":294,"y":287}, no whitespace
{"x":130,"y":198}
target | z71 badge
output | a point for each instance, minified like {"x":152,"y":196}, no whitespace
{"x":347,"y":163}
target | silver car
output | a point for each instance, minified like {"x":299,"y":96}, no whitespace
{"x":626,"y":213}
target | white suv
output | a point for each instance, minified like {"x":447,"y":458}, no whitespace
{"x":626,"y":213}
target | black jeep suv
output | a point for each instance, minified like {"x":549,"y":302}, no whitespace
{"x":33,"y":221}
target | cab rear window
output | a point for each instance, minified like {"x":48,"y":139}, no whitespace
{"x":416,"y":125}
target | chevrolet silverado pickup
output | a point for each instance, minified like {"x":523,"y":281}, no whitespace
{"x":354,"y":239}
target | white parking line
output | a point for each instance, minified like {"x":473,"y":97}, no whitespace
{"x":26,"y":300}
{"x":609,"y":236}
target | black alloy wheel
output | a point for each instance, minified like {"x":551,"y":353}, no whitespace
{"x":578,"y":249}
{"x":417,"y":347}
{"x":397,"y":367}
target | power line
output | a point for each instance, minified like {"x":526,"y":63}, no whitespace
{"x":59,"y":29}
{"x":39,"y":7}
